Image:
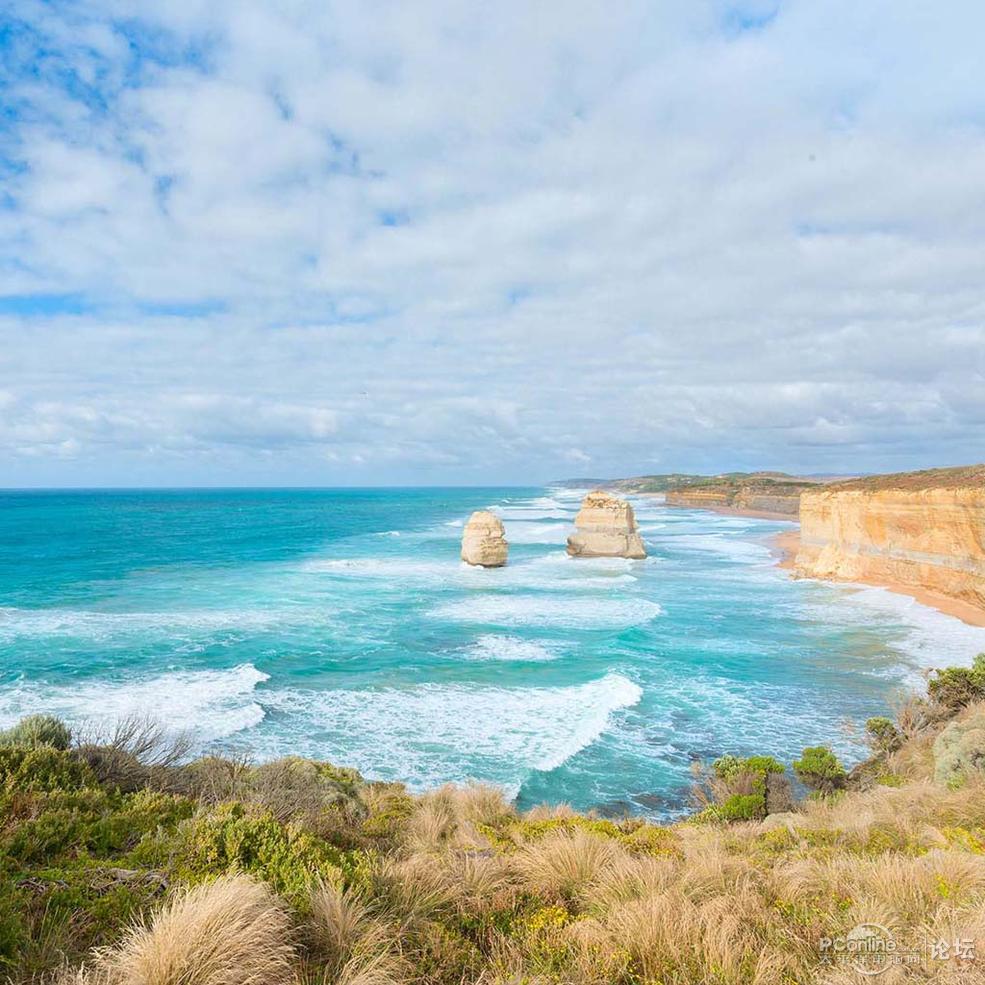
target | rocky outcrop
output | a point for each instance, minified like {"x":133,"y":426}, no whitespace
{"x":605,"y":527}
{"x":918,"y":531}
{"x":484,"y":540}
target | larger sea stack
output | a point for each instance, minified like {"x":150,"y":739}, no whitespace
{"x":605,"y":527}
{"x":484,"y":540}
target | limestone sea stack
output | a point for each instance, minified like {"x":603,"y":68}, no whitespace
{"x":605,"y":527}
{"x":484,"y":540}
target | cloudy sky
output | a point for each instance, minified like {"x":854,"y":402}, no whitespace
{"x":359,"y":242}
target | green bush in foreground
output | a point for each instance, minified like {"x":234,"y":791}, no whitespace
{"x":37,"y":730}
{"x":957,"y":687}
{"x":819,"y":769}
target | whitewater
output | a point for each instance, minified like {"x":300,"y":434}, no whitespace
{"x":341,"y":624}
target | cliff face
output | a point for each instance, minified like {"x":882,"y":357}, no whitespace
{"x":760,"y":499}
{"x":923,"y":531}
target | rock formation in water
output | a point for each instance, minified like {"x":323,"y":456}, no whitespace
{"x":484,"y":540}
{"x":919,"y":531}
{"x":605,"y":527}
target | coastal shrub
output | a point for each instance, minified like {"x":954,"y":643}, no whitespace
{"x":37,"y":730}
{"x":742,"y":788}
{"x":233,"y":931}
{"x":26,"y":769}
{"x":232,"y":838}
{"x":883,"y":734}
{"x":137,"y":752}
{"x":91,"y":821}
{"x":954,"y":688}
{"x":819,"y":769}
{"x":959,"y":750}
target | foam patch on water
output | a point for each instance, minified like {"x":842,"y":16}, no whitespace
{"x":512,"y":648}
{"x":534,"y":532}
{"x":404,"y":568}
{"x":536,"y":610}
{"x":740,"y":551}
{"x":436,"y":733}
{"x":93,"y":625}
{"x":207,"y":704}
{"x":926,"y":636}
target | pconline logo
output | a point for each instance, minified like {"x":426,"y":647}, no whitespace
{"x":872,"y":949}
{"x":869,"y":948}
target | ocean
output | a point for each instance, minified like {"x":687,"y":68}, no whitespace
{"x":341,"y":624}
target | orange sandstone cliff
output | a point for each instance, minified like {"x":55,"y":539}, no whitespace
{"x":757,"y":493}
{"x":922,"y":532}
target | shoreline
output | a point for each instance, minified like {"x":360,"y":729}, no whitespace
{"x":786,"y":544}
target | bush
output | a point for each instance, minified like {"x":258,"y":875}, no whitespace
{"x":24,"y":769}
{"x":37,"y":730}
{"x":959,"y":751}
{"x":954,"y":688}
{"x":231,"y":839}
{"x":883,"y":734}
{"x":740,"y":788}
{"x":819,"y":769}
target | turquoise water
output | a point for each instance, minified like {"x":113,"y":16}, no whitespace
{"x":341,"y":624}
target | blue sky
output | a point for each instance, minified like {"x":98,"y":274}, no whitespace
{"x":378,"y":242}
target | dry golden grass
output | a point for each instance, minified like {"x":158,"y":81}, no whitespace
{"x":233,"y":931}
{"x":353,"y":946}
{"x":562,"y":865}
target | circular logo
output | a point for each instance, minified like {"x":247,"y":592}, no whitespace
{"x":871,"y":948}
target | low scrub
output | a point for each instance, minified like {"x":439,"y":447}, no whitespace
{"x":122,"y":863}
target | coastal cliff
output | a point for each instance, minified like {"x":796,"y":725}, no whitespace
{"x":754,"y":493}
{"x":918,"y":532}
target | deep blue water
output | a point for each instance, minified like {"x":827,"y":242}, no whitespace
{"x":341,"y":624}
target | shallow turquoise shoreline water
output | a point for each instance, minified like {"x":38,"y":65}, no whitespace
{"x":341,"y":624}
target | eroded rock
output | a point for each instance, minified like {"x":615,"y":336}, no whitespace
{"x":605,"y":527}
{"x":484,"y":540}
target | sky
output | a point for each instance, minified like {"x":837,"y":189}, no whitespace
{"x":366,"y":242}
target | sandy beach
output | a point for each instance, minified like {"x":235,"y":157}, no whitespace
{"x":787,"y":543}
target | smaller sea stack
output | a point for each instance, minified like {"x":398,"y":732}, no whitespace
{"x":605,"y":527}
{"x":484,"y":540}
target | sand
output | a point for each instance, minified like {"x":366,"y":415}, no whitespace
{"x":787,"y":543}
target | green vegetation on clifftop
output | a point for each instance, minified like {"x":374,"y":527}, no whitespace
{"x":121,"y":863}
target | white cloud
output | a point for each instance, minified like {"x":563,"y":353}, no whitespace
{"x":447,"y":242}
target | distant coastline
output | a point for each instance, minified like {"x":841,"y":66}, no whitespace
{"x":914,"y":533}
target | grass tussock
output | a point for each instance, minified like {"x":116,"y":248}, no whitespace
{"x":233,"y":931}
{"x":121,"y":864}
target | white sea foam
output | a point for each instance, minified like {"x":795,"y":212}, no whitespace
{"x":95,"y":625}
{"x":208,"y":704}
{"x":434,"y":733}
{"x":403,"y":568}
{"x":512,"y":648}
{"x":740,"y":551}
{"x":536,"y":610}
{"x":534,"y":532}
{"x":929,"y":637}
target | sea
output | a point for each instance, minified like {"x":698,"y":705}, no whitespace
{"x":340,"y":624}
